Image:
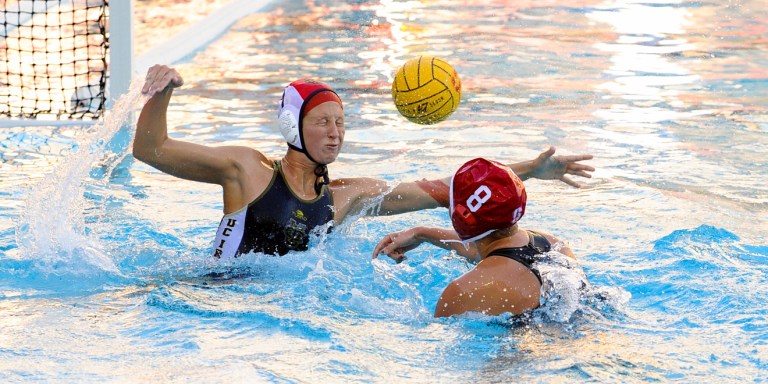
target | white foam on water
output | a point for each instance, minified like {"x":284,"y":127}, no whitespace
{"x":51,"y":231}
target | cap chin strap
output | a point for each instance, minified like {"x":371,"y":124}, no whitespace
{"x":321,"y":171}
{"x":466,"y":242}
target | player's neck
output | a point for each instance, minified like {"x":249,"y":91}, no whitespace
{"x":517,"y":238}
{"x":299,"y":173}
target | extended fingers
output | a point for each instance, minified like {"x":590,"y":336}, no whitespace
{"x":572,"y":167}
{"x":580,"y":170}
{"x":581,"y":167}
{"x":575,"y":158}
{"x":392,"y":250}
{"x":581,"y":173}
{"x":576,"y":171}
{"x":153,"y":75}
{"x":548,"y":166}
{"x":147,"y":85}
{"x":390,"y":247}
{"x":570,"y":182}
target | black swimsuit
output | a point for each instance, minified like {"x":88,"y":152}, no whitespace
{"x":526,"y":255}
{"x":274,"y":223}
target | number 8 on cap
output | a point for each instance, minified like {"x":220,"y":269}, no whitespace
{"x":485,"y":196}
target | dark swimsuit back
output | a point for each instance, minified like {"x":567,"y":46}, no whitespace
{"x":528,"y":254}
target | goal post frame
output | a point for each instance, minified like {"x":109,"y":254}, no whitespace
{"x":121,"y":60}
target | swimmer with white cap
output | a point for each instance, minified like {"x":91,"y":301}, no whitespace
{"x":271,"y":206}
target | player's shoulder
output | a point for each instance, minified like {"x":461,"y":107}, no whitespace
{"x":243,"y":155}
{"x":550,"y":237}
{"x":246,"y":161}
{"x":244,"y":150}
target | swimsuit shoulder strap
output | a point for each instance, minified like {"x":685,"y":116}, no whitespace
{"x":277,"y":166}
{"x":538,"y":242}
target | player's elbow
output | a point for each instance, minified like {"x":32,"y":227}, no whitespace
{"x":148,"y":149}
{"x":140,"y":153}
{"x":148,"y":154}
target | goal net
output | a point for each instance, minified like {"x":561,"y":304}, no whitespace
{"x":53,"y":59}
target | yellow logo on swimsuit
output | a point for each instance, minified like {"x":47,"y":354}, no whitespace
{"x":299,"y":215}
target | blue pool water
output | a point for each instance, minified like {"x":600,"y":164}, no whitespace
{"x":105,"y":273}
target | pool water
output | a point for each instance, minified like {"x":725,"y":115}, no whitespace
{"x":105,"y":267}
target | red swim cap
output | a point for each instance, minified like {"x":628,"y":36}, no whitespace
{"x":299,"y":97}
{"x":485,"y":196}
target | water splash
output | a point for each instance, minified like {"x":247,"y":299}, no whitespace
{"x":51,"y":231}
{"x":568,"y":295}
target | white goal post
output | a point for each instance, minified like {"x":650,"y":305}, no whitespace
{"x":120,"y":48}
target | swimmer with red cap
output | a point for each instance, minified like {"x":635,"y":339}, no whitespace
{"x":487,"y":200}
{"x":272,"y":206}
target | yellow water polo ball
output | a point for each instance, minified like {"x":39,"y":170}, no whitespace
{"x":426,"y":89}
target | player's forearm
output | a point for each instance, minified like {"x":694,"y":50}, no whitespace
{"x":523,"y":169}
{"x":447,"y":239}
{"x":409,"y":197}
{"x":152,"y":127}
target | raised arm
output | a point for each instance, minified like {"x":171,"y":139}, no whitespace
{"x":396,"y":244}
{"x":241,"y":171}
{"x":153,"y":146}
{"x":152,"y":127}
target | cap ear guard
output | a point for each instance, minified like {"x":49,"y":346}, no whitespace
{"x":290,"y":128}
{"x":289,"y":117}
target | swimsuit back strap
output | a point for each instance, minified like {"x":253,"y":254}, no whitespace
{"x":526,"y":255}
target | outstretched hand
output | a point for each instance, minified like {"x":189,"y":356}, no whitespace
{"x":396,"y":244}
{"x":160,"y":77}
{"x":549,"y":167}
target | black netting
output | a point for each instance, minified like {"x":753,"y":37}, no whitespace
{"x":53,"y":58}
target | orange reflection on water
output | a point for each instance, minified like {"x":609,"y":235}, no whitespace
{"x":641,"y":70}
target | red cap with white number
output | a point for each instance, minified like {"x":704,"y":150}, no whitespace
{"x":485,"y":196}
